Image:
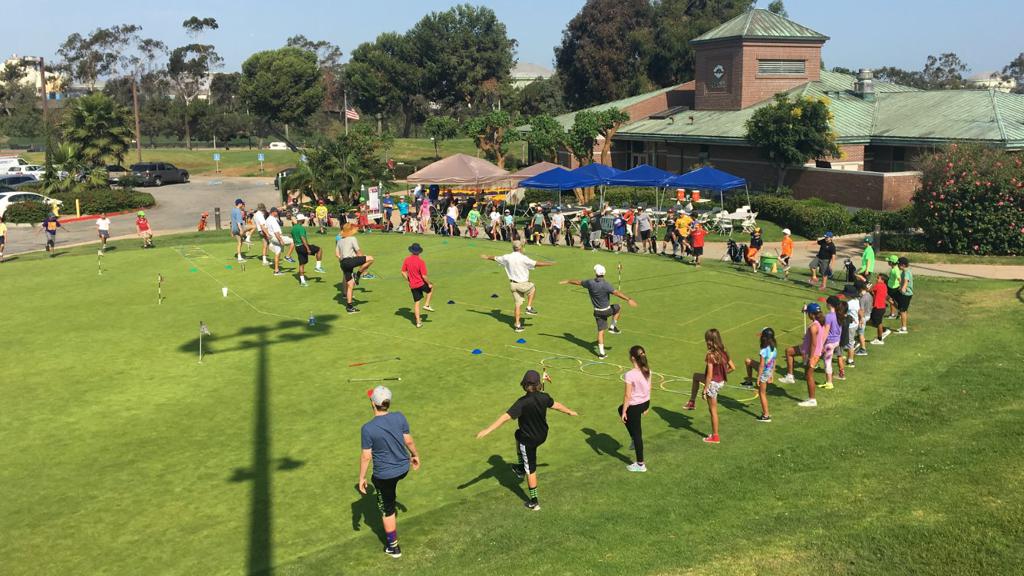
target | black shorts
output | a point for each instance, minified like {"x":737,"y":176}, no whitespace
{"x":698,"y":251}
{"x":877,"y":315}
{"x":386,"y":490}
{"x":303,"y":254}
{"x":348,"y":265}
{"x":844,"y":334}
{"x":527,"y":453}
{"x":602,"y":316}
{"x":417,"y":293}
{"x":645,"y":235}
{"x":903,"y":302}
{"x":894,"y":294}
{"x":3,"y":240}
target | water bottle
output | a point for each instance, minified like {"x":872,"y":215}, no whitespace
{"x":312,"y":320}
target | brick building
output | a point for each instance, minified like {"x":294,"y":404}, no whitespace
{"x":881,"y":127}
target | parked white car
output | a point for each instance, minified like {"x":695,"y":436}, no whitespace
{"x":8,"y":198}
{"x":277,"y":146}
{"x":27,"y":170}
{"x":8,"y":161}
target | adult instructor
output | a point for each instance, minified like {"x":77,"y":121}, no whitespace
{"x":517,"y":266}
{"x":387,"y":443}
{"x":601,"y":292}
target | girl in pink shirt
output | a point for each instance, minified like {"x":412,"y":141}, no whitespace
{"x":810,"y":350}
{"x":636,"y":402}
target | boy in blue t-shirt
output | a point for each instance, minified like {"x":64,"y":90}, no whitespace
{"x":403,"y":214}
{"x":387,"y":443}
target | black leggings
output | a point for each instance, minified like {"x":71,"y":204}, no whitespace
{"x":635,"y":426}
{"x":386,"y":488}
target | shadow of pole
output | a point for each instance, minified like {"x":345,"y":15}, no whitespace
{"x":261,"y":517}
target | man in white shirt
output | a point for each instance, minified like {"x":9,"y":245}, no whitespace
{"x":517,"y":267}
{"x":259,"y":220}
{"x":278,"y":240}
{"x":103,"y":230}
{"x":557,"y":225}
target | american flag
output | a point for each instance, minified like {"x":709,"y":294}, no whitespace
{"x":351,"y":114}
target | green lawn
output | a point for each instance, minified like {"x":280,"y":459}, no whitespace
{"x":123,"y":455}
{"x":244,"y":162}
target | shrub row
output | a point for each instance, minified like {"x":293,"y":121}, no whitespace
{"x":100,"y":200}
{"x":26,"y":213}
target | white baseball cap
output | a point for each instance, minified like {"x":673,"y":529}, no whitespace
{"x":599,"y":270}
{"x":379,"y":395}
{"x":786,"y":231}
{"x":300,"y":217}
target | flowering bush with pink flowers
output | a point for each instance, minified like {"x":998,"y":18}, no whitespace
{"x":971,"y":200}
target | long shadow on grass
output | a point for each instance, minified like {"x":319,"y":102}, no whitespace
{"x":735,"y":405}
{"x":408,"y":314}
{"x":677,"y":420}
{"x":499,"y":316}
{"x":573,"y":339}
{"x":260,"y":557}
{"x":501,"y":471}
{"x":602,"y":443}
{"x":365,"y":512}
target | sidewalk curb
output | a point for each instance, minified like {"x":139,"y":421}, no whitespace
{"x":97,"y":216}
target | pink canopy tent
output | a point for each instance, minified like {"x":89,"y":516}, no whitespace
{"x":531,"y":171}
{"x":460,"y":169}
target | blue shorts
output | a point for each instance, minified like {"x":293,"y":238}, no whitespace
{"x":450,"y":220}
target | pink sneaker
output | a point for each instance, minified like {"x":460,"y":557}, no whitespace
{"x":713,"y":439}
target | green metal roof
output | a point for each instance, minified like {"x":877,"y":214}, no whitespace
{"x":567,"y":119}
{"x":900,"y":116}
{"x":760,"y":24}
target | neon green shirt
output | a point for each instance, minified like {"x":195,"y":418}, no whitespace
{"x":895,"y":278}
{"x":867,"y":261}
{"x":473,"y":216}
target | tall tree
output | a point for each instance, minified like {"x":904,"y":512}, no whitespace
{"x":384,"y":77}
{"x":676,"y":22}
{"x":944,"y":72}
{"x":459,"y":50}
{"x":282,"y":87}
{"x":777,"y":7}
{"x":600,"y":58}
{"x":224,"y":90}
{"x":792,"y":132}
{"x":10,"y":85}
{"x":543,"y":96}
{"x":900,"y":76}
{"x":492,"y":133}
{"x":87,"y":59}
{"x":189,"y":66}
{"x":98,"y":128}
{"x":545,"y":136}
{"x":1015,"y":71}
{"x":328,"y":60}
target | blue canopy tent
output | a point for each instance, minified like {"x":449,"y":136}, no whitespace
{"x":708,"y":178}
{"x":557,"y":179}
{"x":596,"y":175}
{"x":643,"y":175}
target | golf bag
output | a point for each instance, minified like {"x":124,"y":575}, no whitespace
{"x":851,"y":271}
{"x":736,"y":252}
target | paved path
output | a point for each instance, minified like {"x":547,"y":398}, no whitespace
{"x":177,"y":210}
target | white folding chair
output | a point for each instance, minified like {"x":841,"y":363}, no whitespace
{"x":723,"y":223}
{"x":750,"y":222}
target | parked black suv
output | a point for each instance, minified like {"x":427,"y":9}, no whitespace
{"x":157,"y":173}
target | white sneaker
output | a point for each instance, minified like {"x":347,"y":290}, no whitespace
{"x":428,"y":308}
{"x":241,"y":259}
{"x":637,"y":467}
{"x":303,"y":284}
{"x":810,"y":403}
{"x":903,"y":331}
{"x":266,"y":262}
{"x":318,"y":269}
{"x":787,"y":379}
{"x":878,"y":342}
{"x":886,"y":333}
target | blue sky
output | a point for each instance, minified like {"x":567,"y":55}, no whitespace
{"x":869,"y":33}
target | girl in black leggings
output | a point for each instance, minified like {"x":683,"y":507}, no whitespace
{"x":636,"y":402}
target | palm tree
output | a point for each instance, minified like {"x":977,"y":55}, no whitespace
{"x":98,"y":129}
{"x":319,"y":177}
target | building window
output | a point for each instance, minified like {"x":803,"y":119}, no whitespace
{"x":704,"y":156}
{"x":781,"y":67}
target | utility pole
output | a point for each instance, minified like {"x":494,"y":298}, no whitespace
{"x":38,"y":60}
{"x":346,"y":112}
{"x":138,"y":127}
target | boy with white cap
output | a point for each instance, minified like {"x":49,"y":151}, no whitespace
{"x":387,"y":443}
{"x":277,"y":240}
{"x":601,"y":292}
{"x":787,"y":250}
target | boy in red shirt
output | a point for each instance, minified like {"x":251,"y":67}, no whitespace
{"x":879,"y":293}
{"x":697,"y":242}
{"x":414,"y":269}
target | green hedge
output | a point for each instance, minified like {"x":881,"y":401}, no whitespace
{"x":99,"y":200}
{"x":26,"y":213}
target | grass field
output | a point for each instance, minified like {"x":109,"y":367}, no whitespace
{"x":123,"y":455}
{"x":244,"y":162}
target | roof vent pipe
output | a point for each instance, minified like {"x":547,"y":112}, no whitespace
{"x":864,"y":87}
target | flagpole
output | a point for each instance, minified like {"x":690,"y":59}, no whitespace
{"x":346,"y":112}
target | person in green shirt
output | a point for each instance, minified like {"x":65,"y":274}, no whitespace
{"x":472,"y":219}
{"x":894,"y":283}
{"x":585,"y":229}
{"x":867,"y":260}
{"x":906,"y":292}
{"x":304,"y":249}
